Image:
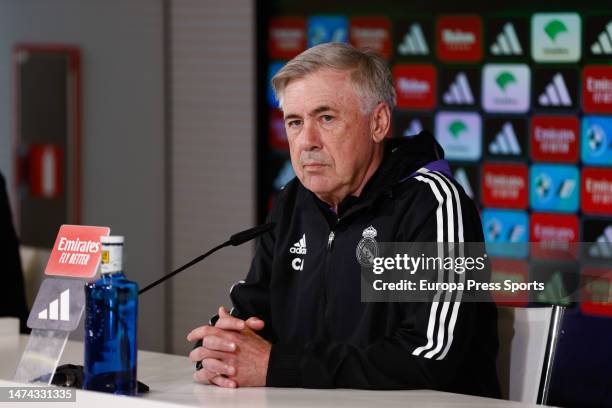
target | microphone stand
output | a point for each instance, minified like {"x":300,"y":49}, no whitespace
{"x":235,"y":240}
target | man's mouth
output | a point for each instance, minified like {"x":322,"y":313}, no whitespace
{"x":314,"y":166}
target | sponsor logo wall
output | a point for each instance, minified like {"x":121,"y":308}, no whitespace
{"x":522,"y":105}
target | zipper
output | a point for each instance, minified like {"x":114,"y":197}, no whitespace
{"x":332,"y":235}
{"x":330,"y":240}
{"x":330,"y":244}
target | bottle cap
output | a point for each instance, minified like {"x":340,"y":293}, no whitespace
{"x":111,"y":239}
{"x":112,"y":254}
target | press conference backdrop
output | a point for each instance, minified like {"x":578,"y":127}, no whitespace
{"x":520,"y":100}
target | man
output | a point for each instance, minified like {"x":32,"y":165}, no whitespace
{"x":298,"y":319}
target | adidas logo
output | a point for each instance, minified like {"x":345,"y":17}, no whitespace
{"x":299,"y":247}
{"x":61,"y":305}
{"x":414,"y":128}
{"x":463,"y":180}
{"x":507,"y":42}
{"x":505,"y":142}
{"x":602,"y":248}
{"x":556,"y":93}
{"x":603,"y":44}
{"x":414,"y":42}
{"x":459,"y":91}
{"x":555,"y":291}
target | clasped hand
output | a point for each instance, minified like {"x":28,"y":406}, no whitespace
{"x":232,"y":353}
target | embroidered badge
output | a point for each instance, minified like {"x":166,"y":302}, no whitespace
{"x":367,"y":248}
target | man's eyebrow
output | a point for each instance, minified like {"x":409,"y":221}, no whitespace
{"x":292,"y":116}
{"x":313,"y":112}
{"x":320,"y":109}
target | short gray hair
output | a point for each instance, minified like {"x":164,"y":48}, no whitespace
{"x":370,"y":75}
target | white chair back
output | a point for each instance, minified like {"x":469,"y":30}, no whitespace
{"x":523,"y":336}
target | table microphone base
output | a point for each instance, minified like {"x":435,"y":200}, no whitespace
{"x":71,"y":375}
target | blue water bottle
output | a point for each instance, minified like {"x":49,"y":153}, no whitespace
{"x":111,"y":314}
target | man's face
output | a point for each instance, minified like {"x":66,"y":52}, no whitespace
{"x":329,"y":136}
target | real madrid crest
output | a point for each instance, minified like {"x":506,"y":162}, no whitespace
{"x":367,"y":248}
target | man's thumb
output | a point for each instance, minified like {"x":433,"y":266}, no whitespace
{"x":255,"y":323}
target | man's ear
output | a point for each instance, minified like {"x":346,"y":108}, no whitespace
{"x":380,"y":122}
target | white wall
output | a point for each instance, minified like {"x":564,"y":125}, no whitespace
{"x":123,"y":153}
{"x":209,"y":168}
{"x":212,"y":102}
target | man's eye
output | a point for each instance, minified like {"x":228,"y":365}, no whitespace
{"x":327,"y":118}
{"x":293,"y":123}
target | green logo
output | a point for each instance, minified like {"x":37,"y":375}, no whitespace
{"x":554,"y":28}
{"x":456,"y":127}
{"x":556,"y":37}
{"x":504,"y":79}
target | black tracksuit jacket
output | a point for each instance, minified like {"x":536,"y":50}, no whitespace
{"x":323,"y":336}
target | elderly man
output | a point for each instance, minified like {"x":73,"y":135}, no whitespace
{"x":298,"y":319}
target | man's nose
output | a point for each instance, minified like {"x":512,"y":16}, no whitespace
{"x":311,"y":138}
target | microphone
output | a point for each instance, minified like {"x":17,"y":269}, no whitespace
{"x":247,"y":235}
{"x":235,"y":240}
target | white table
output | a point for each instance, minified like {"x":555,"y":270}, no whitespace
{"x":170,"y":379}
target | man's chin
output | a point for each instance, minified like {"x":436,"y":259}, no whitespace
{"x":318,"y":187}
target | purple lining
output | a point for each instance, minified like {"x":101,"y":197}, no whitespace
{"x":438,"y":165}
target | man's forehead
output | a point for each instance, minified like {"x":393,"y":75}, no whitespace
{"x":323,"y":87}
